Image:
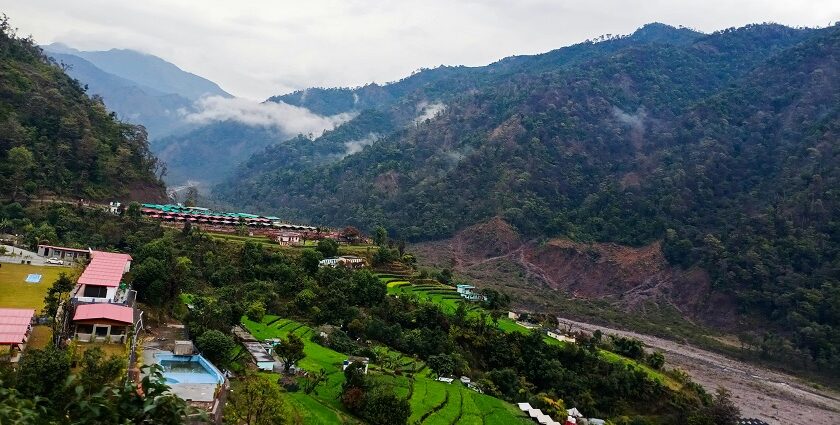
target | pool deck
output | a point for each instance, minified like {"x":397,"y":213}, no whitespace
{"x":202,"y":392}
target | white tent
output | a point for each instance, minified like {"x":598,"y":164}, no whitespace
{"x":571,"y":420}
{"x":524,"y":406}
{"x":534,"y":413}
{"x":574,"y":412}
{"x":544,"y":419}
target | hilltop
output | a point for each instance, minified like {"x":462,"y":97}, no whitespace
{"x":55,"y":140}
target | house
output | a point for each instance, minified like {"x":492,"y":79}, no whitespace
{"x":67,"y":254}
{"x":513,"y":316}
{"x":354,"y":359}
{"x":468,"y":292}
{"x":288,"y":238}
{"x":15,"y":328}
{"x":114,"y":207}
{"x":349,"y":261}
{"x":105,"y":322}
{"x":445,"y":380}
{"x":101,"y":281}
{"x":465,"y":380}
{"x":103,"y":306}
{"x":560,"y":337}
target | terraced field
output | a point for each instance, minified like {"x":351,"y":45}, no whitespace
{"x":431,"y":402}
{"x":448,"y":299}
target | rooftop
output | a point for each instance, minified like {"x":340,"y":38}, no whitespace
{"x":105,"y":269}
{"x":115,"y":312}
{"x":14,"y":324}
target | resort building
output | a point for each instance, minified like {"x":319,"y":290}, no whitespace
{"x":15,"y":329}
{"x":65,"y":254}
{"x":102,"y":304}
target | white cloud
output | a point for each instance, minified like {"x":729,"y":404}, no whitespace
{"x":260,"y":48}
{"x":356,"y":146}
{"x":427,"y":111}
{"x":287,"y":118}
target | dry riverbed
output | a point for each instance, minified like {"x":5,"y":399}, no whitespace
{"x":777,"y":398}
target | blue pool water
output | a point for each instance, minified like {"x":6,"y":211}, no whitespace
{"x":188,"y":370}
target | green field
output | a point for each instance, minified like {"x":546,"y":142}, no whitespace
{"x":15,"y":292}
{"x":431,"y":402}
{"x":359,"y":250}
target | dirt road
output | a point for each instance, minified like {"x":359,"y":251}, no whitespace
{"x":777,"y":398}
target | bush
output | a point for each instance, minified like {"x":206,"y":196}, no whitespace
{"x":256,"y":311}
{"x":216,"y":346}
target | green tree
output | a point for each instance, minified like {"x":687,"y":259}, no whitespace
{"x":216,"y":346}
{"x":383,"y":407}
{"x":327,"y":247}
{"x":254,"y":400}
{"x":57,"y":296}
{"x":21,"y":161}
{"x":441,"y":364}
{"x":43,"y":372}
{"x":98,"y":370}
{"x":309,"y":259}
{"x":380,"y":236}
{"x":290,"y":351}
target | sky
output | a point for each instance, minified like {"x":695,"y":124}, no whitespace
{"x":258,"y":48}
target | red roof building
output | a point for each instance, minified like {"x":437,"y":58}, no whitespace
{"x":104,"y":312}
{"x":15,"y":325}
{"x":105,"y":269}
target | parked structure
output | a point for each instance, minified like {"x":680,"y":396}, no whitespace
{"x":62,"y":253}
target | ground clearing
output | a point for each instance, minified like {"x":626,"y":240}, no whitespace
{"x":15,"y":292}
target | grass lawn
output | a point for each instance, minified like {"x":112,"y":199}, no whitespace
{"x":15,"y":292}
{"x":40,"y":337}
{"x":435,"y":401}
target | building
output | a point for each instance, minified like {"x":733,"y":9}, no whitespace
{"x":105,"y":322}
{"x":15,"y":328}
{"x":288,"y":238}
{"x":101,"y":281}
{"x":103,"y":306}
{"x":354,"y":359}
{"x":560,"y":337}
{"x":349,"y":261}
{"x":114,"y":207}
{"x":468,"y":292}
{"x":513,"y":315}
{"x":62,"y":253}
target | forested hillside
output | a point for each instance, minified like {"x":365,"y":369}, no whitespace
{"x":55,"y":140}
{"x":724,"y":146}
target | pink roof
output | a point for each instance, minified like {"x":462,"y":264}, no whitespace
{"x":115,"y":312}
{"x":105,"y":269}
{"x":14,"y":324}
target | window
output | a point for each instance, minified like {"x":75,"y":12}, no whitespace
{"x":96,"y":291}
{"x":101,"y":330}
{"x":84,"y":329}
{"x":117,"y":330}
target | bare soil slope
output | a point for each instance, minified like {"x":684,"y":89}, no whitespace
{"x":629,"y":277}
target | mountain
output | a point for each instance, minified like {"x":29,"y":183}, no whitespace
{"x":55,"y":140}
{"x":140,"y":88}
{"x":146,"y":70}
{"x":719,"y":147}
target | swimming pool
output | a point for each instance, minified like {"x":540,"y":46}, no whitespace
{"x":188,"y":369}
